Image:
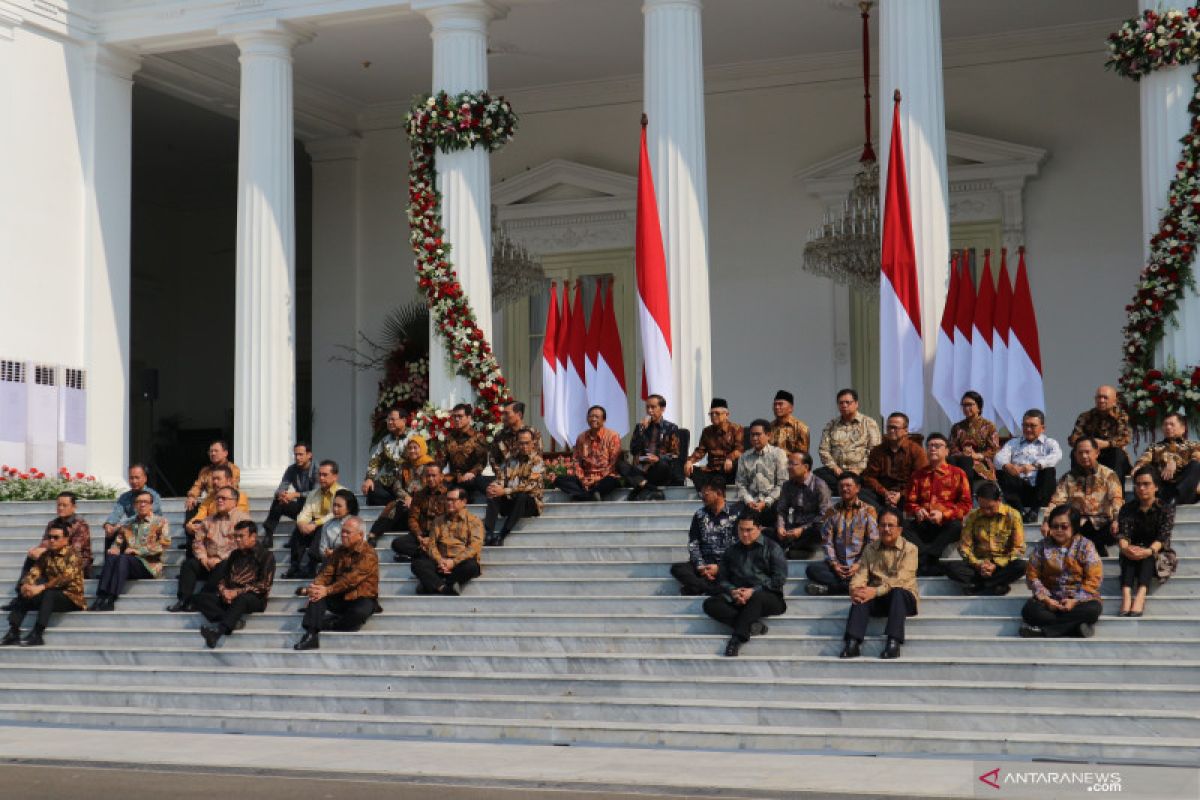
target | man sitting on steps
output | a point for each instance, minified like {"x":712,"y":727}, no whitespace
{"x":713,"y":531}
{"x":241,"y":585}
{"x":752,"y":573}
{"x":845,"y":533}
{"x":803,"y":503}
{"x":453,"y":549}
{"x":428,"y":503}
{"x":886,"y":585}
{"x":53,"y":583}
{"x":346,"y":593}
{"x":992,"y":546}
{"x":79,"y":539}
{"x":212,"y":544}
{"x":516,"y":492}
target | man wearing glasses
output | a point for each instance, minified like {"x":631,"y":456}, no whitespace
{"x":346,"y":593}
{"x":452,"y":552}
{"x":721,"y":442}
{"x":53,"y":583}
{"x":885,"y":585}
{"x":937,"y":501}
{"x":891,"y":465}
{"x":240,"y":585}
{"x":465,"y":454}
{"x":211,"y":545}
{"x":136,"y":553}
{"x":79,"y":538}
{"x":1026,"y":466}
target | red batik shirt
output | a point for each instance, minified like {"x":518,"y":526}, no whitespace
{"x":944,"y":489}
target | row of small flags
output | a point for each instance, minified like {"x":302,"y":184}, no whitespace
{"x":987,"y":342}
{"x":583,"y":365}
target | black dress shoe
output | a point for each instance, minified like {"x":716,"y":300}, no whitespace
{"x":104,"y":603}
{"x":853,"y":649}
{"x":401,"y":559}
{"x":1086,"y":630}
{"x":816,"y":589}
{"x":733,"y":647}
{"x":12,"y":637}
{"x":758,"y":628}
{"x":178,"y":606}
{"x":1000,"y":590}
{"x":636,"y":493}
{"x":34,"y":639}
{"x":1028,"y":631}
{"x":310,"y":641}
{"x":9,"y":605}
{"x":211,"y":634}
{"x":292,"y":574}
{"x":971,"y":589}
{"x":241,"y":623}
{"x":892,"y":650}
{"x":450,"y":589}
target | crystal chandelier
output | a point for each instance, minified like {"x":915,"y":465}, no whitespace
{"x":845,"y":247}
{"x":515,"y":273}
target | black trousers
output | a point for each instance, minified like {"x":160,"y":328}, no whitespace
{"x":1116,"y":459}
{"x":408,"y":545}
{"x":228,"y":615}
{"x":191,"y":573}
{"x":960,"y":571}
{"x":1102,"y":537}
{"x":1060,"y":623}
{"x":701,"y":477}
{"x":823,"y":574}
{"x":897,"y":605}
{"x":431,"y":581}
{"x":656,"y":475}
{"x":1183,"y":489}
{"x":967,"y":465}
{"x":831,"y":480}
{"x":349,"y":615}
{"x":117,"y":571}
{"x":802,"y":545}
{"x":397,"y":521}
{"x":25,"y":567}
{"x":1022,"y":495}
{"x":1135,"y":573}
{"x":932,"y":540}
{"x":45,"y":604}
{"x":571,"y":486}
{"x":474,"y":488}
{"x":763,"y":603}
{"x":302,"y":545}
{"x":513,"y":508}
{"x":693,"y":582}
{"x":279,"y":509}
{"x":380,"y":495}
{"x":872,"y":499}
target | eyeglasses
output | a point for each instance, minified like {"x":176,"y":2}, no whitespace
{"x":55,"y":538}
{"x":887,"y":525}
{"x":1062,"y":526}
{"x":143,"y":502}
{"x":225,"y":497}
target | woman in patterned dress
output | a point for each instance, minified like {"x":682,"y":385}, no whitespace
{"x":974,"y":441}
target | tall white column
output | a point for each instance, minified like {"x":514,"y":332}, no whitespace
{"x":464,"y":178}
{"x":674,"y":104}
{"x":264,"y":416}
{"x":1165,"y":94}
{"x":107,"y":147}
{"x":910,"y":59}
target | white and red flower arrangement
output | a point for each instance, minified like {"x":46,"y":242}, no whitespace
{"x":33,"y":484}
{"x":1158,"y":40}
{"x":452,"y":123}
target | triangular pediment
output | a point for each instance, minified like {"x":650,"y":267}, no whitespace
{"x":560,"y":181}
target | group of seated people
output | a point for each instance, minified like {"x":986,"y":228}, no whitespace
{"x":899,"y":507}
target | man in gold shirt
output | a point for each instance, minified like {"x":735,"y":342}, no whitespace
{"x":218,"y":479}
{"x":53,"y":583}
{"x":992,"y":546}
{"x":786,"y":432}
{"x":218,"y":456}
{"x":452,"y":551}
{"x":318,"y":509}
{"x":885,"y":585}
{"x":346,"y":593}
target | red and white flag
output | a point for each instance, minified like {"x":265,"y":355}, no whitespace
{"x":609,"y":385}
{"x":981,"y":333}
{"x":550,"y":366}
{"x":1025,"y":389}
{"x":562,"y":345}
{"x":1004,"y":295}
{"x":575,"y":397}
{"x":964,"y":322}
{"x":654,"y":300}
{"x":592,"y":344}
{"x":901,"y":356}
{"x":943,"y":364}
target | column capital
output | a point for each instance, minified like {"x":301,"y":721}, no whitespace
{"x":460,"y":14}
{"x":334,"y":148}
{"x":115,"y":61}
{"x":264,"y":37}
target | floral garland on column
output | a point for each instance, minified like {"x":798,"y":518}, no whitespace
{"x":1157,"y":40}
{"x":452,"y":123}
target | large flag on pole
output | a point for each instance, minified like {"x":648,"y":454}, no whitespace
{"x":654,"y":300}
{"x":1003,"y":414}
{"x":964,"y":321}
{"x":550,"y":366}
{"x":563,"y":344}
{"x":592,"y":344}
{"x":610,"y":390}
{"x":981,"y":333}
{"x":901,"y":356}
{"x":943,"y":364}
{"x":1025,"y":390}
{"x":576,"y":394}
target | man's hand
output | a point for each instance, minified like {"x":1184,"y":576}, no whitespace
{"x":727,"y":464}
{"x":494,"y":490}
{"x":466,"y":477}
{"x":114,"y":551}
{"x":367,"y":486}
{"x":687,"y":468}
{"x":742,"y":596}
{"x":445,"y":565}
{"x":190,"y":503}
{"x":36,"y":551}
{"x":986,"y":568}
{"x":936,"y":517}
{"x":317,"y":592}
{"x":1045,"y":527}
{"x":1168,"y":471}
{"x":1068,"y":604}
{"x":227,"y":595}
{"x":1103,"y":444}
{"x":756,"y":505}
{"x":892,"y":498}
{"x":1115,"y":527}
{"x":650,"y":458}
{"x":709,"y":571}
{"x":1052,"y":604}
{"x":646,"y":422}
{"x":1012,"y":469}
{"x":837,"y":471}
{"x":863,"y":594}
{"x":1028,"y":469}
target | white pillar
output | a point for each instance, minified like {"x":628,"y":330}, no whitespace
{"x":264,"y":415}
{"x":107,"y":146}
{"x":910,"y":59}
{"x":464,"y":178}
{"x":1165,"y":94}
{"x":340,"y":430}
{"x":674,"y":103}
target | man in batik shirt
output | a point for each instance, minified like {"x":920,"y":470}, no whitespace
{"x":386,"y":459}
{"x":721,"y":443}
{"x":1094,"y":491}
{"x":847,"y":440}
{"x":1176,"y":462}
{"x":464,"y":454}
{"x":938,"y":499}
{"x":242,"y":585}
{"x":516,"y":492}
{"x":1108,"y":424}
{"x":786,"y":432}
{"x":596,"y":453}
{"x":845,"y":531}
{"x":653,"y":451}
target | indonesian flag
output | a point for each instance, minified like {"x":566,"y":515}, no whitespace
{"x":981,"y":333}
{"x":1004,"y":296}
{"x":608,"y":388}
{"x":943,"y":364}
{"x":592,"y":344}
{"x":901,"y":357}
{"x":654,"y":300}
{"x":964,"y":321}
{"x":561,"y":431}
{"x":550,"y":366}
{"x":575,"y":397}
{"x":1025,"y":390}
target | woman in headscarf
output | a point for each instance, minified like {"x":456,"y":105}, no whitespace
{"x":407,"y":480}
